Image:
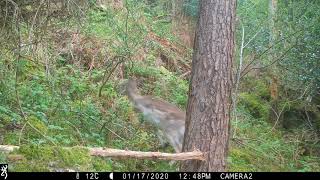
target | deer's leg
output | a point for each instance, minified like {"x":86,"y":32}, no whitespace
{"x":162,"y":139}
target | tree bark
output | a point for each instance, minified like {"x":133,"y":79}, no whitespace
{"x":209,"y":104}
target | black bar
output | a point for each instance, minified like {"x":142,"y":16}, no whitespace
{"x":59,"y":175}
{"x":159,"y":175}
{"x":215,"y":175}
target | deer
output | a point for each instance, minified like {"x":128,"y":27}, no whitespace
{"x":169,"y":119}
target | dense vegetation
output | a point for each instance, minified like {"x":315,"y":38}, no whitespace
{"x":61,"y":71}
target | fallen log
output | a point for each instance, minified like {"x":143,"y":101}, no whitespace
{"x":118,"y":153}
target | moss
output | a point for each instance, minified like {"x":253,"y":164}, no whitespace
{"x":11,"y":138}
{"x":35,"y":158}
{"x":41,"y":153}
{"x":179,"y":94}
{"x":31,"y":133}
{"x":4,"y":119}
{"x":248,"y":159}
{"x":256,"y":86}
{"x":100,"y":164}
{"x":124,"y":109}
{"x":109,"y":91}
{"x":171,"y":88}
{"x":142,"y":70}
{"x":239,"y":160}
{"x":2,"y":158}
{"x":30,"y":166}
{"x":261,"y":89}
{"x":74,"y":157}
{"x":257,"y":107}
{"x":46,"y":158}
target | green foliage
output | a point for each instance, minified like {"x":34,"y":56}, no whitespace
{"x":286,"y":48}
{"x":57,"y":101}
{"x":253,"y":16}
{"x":2,"y":158}
{"x":47,"y":158}
{"x":302,"y":61}
{"x":35,"y":136}
{"x":172,"y":88}
{"x":141,"y":70}
{"x":257,"y":107}
{"x":259,"y":147}
{"x":119,"y":27}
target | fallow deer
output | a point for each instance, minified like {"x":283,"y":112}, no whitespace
{"x":167,"y":117}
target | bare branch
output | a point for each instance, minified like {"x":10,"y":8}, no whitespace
{"x":118,"y":153}
{"x":108,"y":152}
{"x":234,"y":103}
{"x":8,"y":148}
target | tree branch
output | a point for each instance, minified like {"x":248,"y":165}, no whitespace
{"x":294,"y":34}
{"x":118,"y":153}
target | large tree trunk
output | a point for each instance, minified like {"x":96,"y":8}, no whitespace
{"x":208,"y":111}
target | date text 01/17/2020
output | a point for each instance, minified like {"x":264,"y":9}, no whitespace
{"x":163,"y":176}
{"x":155,"y":176}
{"x":185,"y":176}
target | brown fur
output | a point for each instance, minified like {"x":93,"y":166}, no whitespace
{"x":169,"y":118}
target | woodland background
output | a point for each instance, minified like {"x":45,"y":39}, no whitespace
{"x":62,"y":63}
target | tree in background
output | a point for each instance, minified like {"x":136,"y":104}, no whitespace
{"x":272,"y":55}
{"x":208,"y":111}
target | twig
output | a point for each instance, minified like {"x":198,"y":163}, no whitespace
{"x":38,"y":131}
{"x":33,"y":23}
{"x":254,"y":36}
{"x":237,"y":83}
{"x":102,"y":125}
{"x":308,"y":118}
{"x":276,"y":60}
{"x":19,"y":56}
{"x":21,"y":131}
{"x":78,"y":131}
{"x":270,"y":47}
{"x":185,"y":74}
{"x":278,"y":116}
{"x":106,"y":77}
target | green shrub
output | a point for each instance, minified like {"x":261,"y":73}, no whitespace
{"x":257,"y":107}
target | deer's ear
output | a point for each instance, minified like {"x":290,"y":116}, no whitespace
{"x":135,"y":83}
{"x":121,"y":87}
